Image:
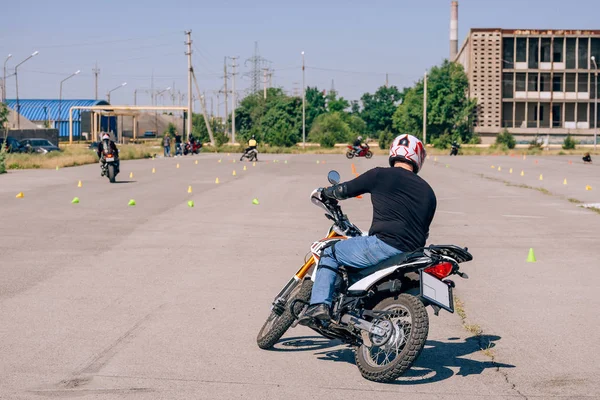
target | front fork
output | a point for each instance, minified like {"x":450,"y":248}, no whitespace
{"x":281,"y":299}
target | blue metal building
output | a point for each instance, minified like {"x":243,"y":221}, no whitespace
{"x":47,"y":111}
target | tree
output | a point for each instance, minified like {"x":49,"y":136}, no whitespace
{"x":201,"y":133}
{"x":379,"y":108}
{"x":315,"y":105}
{"x":335,"y":104}
{"x":282,"y":123}
{"x":171,"y":129}
{"x":329,"y":129}
{"x":449,"y":109}
{"x":3,"y":116}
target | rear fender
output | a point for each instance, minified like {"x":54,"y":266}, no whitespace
{"x":382,"y":275}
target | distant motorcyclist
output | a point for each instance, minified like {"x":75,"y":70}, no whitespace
{"x":357,"y":144}
{"x":108,"y":145}
{"x":455,"y":147}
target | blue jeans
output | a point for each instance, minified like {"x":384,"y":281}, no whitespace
{"x":357,"y":252}
{"x":167,"y":151}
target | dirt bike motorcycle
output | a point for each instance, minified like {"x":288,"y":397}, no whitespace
{"x":364,"y":152}
{"x":251,"y":155}
{"x":379,"y":310}
{"x":454,"y":149}
{"x":109,"y":163}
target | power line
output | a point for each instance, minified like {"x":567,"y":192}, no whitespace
{"x":56,"y":46}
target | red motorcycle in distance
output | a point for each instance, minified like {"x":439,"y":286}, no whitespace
{"x":364,"y":152}
{"x":192,"y":147}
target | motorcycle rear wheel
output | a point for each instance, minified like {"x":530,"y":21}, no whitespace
{"x":368,"y":154}
{"x":276,"y":325}
{"x":349,"y":155}
{"x":411,"y":324}
{"x":111,"y":173}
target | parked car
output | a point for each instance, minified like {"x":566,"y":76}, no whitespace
{"x":12,"y":145}
{"x":41,"y":146}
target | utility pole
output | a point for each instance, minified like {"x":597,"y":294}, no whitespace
{"x":203,"y":105}
{"x":190,"y":72}
{"x":233,"y":74}
{"x":265,"y":83}
{"x":386,"y":80}
{"x":425,"y":110}
{"x":96,"y":72}
{"x":225,"y":91}
{"x":303,"y":105}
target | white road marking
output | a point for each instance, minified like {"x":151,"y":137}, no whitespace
{"x":451,"y":212}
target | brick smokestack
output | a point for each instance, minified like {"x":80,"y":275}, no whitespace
{"x":453,"y":30}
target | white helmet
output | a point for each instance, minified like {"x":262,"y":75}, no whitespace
{"x":105,"y":136}
{"x":409,"y":149}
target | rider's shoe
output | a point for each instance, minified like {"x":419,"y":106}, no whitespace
{"x":315,"y":311}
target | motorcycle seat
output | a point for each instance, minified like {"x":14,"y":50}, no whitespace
{"x":356,"y":274}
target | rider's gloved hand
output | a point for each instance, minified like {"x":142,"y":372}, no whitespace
{"x":328,"y":194}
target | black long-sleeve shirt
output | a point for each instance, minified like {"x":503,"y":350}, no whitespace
{"x":403,"y":206}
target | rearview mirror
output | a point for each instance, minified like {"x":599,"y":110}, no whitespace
{"x":333,"y":177}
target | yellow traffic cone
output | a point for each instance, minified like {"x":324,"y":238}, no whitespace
{"x":588,"y":187}
{"x":189,"y":189}
{"x":20,"y":195}
{"x":541,"y":177}
{"x":217,"y":181}
{"x":510,"y":171}
{"x":196,"y":162}
{"x":227,"y":154}
{"x":499,"y":169}
{"x":131,"y":174}
{"x":219,"y":160}
{"x":565,"y":181}
{"x":244,"y":167}
{"x":233,"y":173}
{"x":318,"y":161}
{"x":522,"y":173}
{"x":254,"y":164}
{"x":493,"y":167}
{"x":177,"y":165}
{"x":153,"y":170}
{"x":531,"y":256}
{"x":79,"y":184}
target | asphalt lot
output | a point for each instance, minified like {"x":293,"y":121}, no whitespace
{"x":163,"y":301}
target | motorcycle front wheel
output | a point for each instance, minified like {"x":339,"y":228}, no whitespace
{"x":276,"y":325}
{"x":369,"y":154}
{"x":386,"y":361}
{"x":349,"y":155}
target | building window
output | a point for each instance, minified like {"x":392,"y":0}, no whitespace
{"x":507,"y":86}
{"x":532,"y":115}
{"x":582,"y":83}
{"x":534,"y":52}
{"x":507,"y":115}
{"x":544,"y":115}
{"x":595,"y":51}
{"x":582,"y":109}
{"x":546,"y":52}
{"x":508,"y":53}
{"x":520,"y":115}
{"x":570,"y":83}
{"x":583,"y":53}
{"x":544,"y":82}
{"x":557,"y":83}
{"x":557,"y":115}
{"x":570,"y":112}
{"x":521,"y":55}
{"x":558,"y":48}
{"x":571,"y":56}
{"x":532,"y":82}
{"x":521,"y":82}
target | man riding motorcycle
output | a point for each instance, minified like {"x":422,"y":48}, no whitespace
{"x":403,"y":208}
{"x":110,"y":146}
{"x":357,"y":145}
{"x":251,"y":146}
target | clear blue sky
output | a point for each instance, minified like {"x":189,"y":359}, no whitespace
{"x":131,"y":39}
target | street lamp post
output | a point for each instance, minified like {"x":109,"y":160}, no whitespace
{"x":58,"y":120}
{"x":112,"y":90}
{"x":35,"y":53}
{"x":4,"y":79}
{"x":595,"y":104}
{"x":303,"y":105}
{"x":155,"y":103}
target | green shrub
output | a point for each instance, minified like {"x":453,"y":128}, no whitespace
{"x":569,"y":143}
{"x":385,"y":139}
{"x":443,"y":141}
{"x":505,"y":138}
{"x":3,"y":160}
{"x":535,"y":144}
